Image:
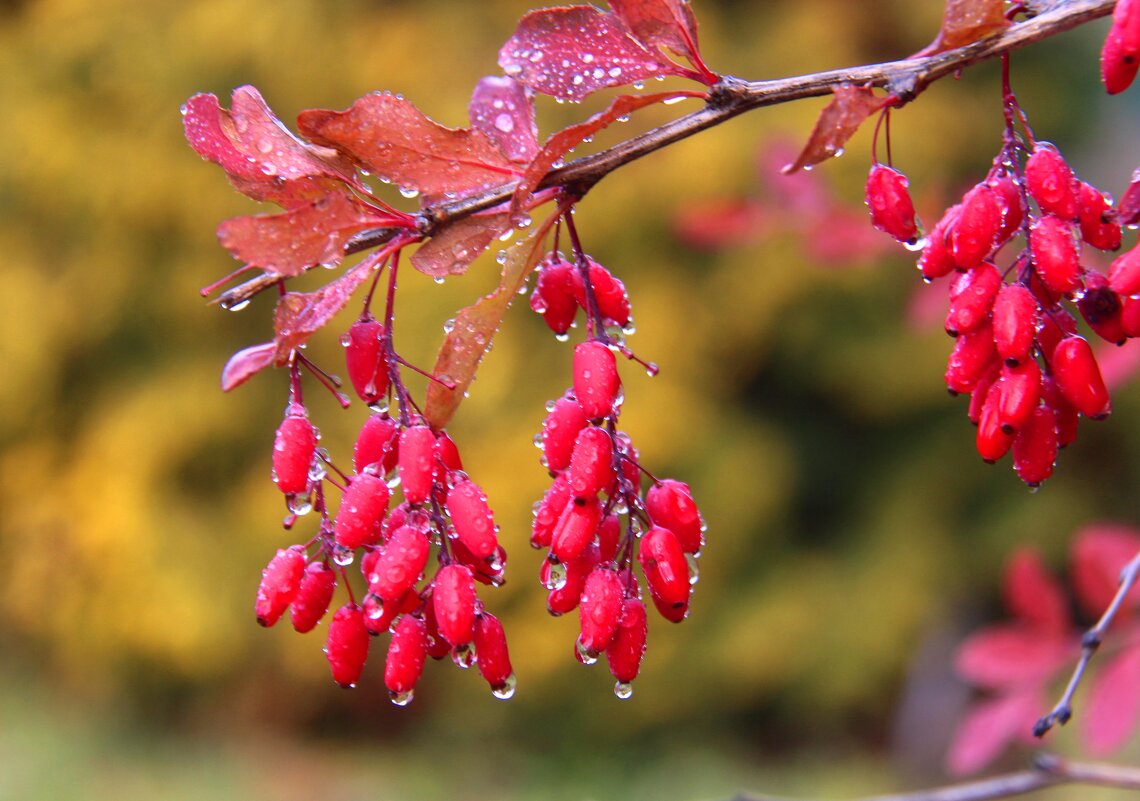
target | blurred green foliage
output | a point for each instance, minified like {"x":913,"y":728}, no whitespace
{"x":850,"y":521}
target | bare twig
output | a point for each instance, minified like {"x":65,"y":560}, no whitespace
{"x":1047,"y":771}
{"x":1061,"y":713}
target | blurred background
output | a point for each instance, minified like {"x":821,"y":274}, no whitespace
{"x":854,"y":535}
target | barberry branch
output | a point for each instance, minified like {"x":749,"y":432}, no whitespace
{"x":1047,"y":771}
{"x":905,"y":79}
{"x":1090,"y":642}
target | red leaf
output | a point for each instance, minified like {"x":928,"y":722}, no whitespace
{"x":561,"y":143}
{"x":300,"y":314}
{"x":1113,"y":708}
{"x":503,"y":109}
{"x":1010,"y":655}
{"x":574,"y":51}
{"x":966,"y":21}
{"x":390,"y":137}
{"x":262,"y":158}
{"x":475,"y":328}
{"x":1128,"y":210}
{"x":450,"y":252}
{"x":292,"y":242}
{"x":837,"y":123}
{"x":989,"y":726}
{"x":1034,"y":595}
{"x":663,"y":23}
{"x":243,"y":364}
{"x":1100,"y":552}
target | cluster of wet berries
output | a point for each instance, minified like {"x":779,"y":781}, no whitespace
{"x":441,"y":507}
{"x":1030,"y":375}
{"x":597,"y":482}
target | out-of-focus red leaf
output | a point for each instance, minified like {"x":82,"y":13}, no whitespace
{"x":503,"y":109}
{"x":721,"y":222}
{"x":475,"y":327}
{"x":573,"y":51}
{"x":262,"y":158}
{"x":989,"y":726}
{"x":450,"y":252}
{"x":243,"y":364}
{"x":1034,"y":595}
{"x":292,"y":242}
{"x":966,"y":21}
{"x":837,"y":123}
{"x":1113,"y":707}
{"x":1100,"y":552}
{"x":1119,"y":364}
{"x":840,"y":237}
{"x":1011,"y":655}
{"x":661,"y":23}
{"x":561,"y":143}
{"x":393,"y":139}
{"x":300,"y":314}
{"x":1128,"y":210}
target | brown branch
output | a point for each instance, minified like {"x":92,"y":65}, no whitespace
{"x":731,"y":97}
{"x":1047,"y":771}
{"x":1090,"y":642}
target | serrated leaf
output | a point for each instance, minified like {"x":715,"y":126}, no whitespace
{"x":1100,"y":552}
{"x":292,"y":242}
{"x":301,"y":314}
{"x":967,"y":21}
{"x":261,"y":157}
{"x":1011,"y":655}
{"x":244,"y":364}
{"x":503,"y":109}
{"x":572,"y":52}
{"x":988,"y":727}
{"x":1033,"y":594}
{"x":460,"y":243}
{"x":1112,"y":710}
{"x":475,"y":327}
{"x":836,"y":124}
{"x":393,"y":139}
{"x":661,"y":23}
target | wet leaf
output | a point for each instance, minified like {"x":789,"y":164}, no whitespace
{"x":391,"y":138}
{"x":503,"y":109}
{"x":475,"y":326}
{"x":460,"y":243}
{"x":572,"y":52}
{"x":1100,"y":552}
{"x":245,"y":363}
{"x":967,"y":21}
{"x":989,"y":726}
{"x":1113,"y":706}
{"x":837,"y":123}
{"x":300,"y":314}
{"x":1034,"y":595}
{"x":661,"y":23}
{"x":292,"y":242}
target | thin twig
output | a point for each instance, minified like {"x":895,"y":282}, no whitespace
{"x":1047,"y":771}
{"x":1061,"y":713}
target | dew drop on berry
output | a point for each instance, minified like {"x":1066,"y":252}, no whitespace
{"x":582,"y":654}
{"x":401,"y":699}
{"x":915,"y":245}
{"x":556,"y":577}
{"x":464,"y":656}
{"x":506,"y":690}
{"x":623,"y":689}
{"x":299,"y":504}
{"x":694,"y":570}
{"x":343,"y":556}
{"x":234,"y":306}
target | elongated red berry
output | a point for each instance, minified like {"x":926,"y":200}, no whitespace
{"x":367,"y":360}
{"x":1124,"y":273}
{"x":416,"y":463}
{"x":406,"y":655}
{"x":494,"y":658}
{"x":628,"y":645}
{"x":1055,"y":324}
{"x":937,"y":258}
{"x":553,"y":295}
{"x":1055,"y":253}
{"x":1067,"y":417}
{"x":347,"y":646}
{"x":971,"y":298}
{"x":992,"y":441}
{"x":564,"y":420}
{"x":596,"y":382}
{"x":1015,"y":314}
{"x":665,"y":567}
{"x":1098,"y":225}
{"x":609,"y":293}
{"x":1078,"y":377}
{"x":1020,"y":392}
{"x":548,"y":511}
{"x":1035,"y":449}
{"x":401,"y":564}
{"x":279,"y":582}
{"x":892,"y":210}
{"x":361,"y":511}
{"x":599,"y":610}
{"x":1008,"y":196}
{"x":609,"y":537}
{"x":670,"y":504}
{"x":979,"y":394}
{"x":565,"y":594}
{"x":453,"y":595}
{"x":1051,"y":182}
{"x":971,"y":359}
{"x":1102,"y":308}
{"x":377,"y":443}
{"x":592,"y":462}
{"x":575,"y":528}
{"x":437,"y":647}
{"x":313,"y":596}
{"x":293,"y":449}
{"x":1120,"y":58}
{"x":976,"y":229}
{"x":474,"y":523}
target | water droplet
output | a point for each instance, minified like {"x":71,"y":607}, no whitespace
{"x":506,"y":689}
{"x":838,"y":152}
{"x":409,"y":192}
{"x":582,"y":654}
{"x":694,"y":571}
{"x":501,"y":258}
{"x":264,"y":146}
{"x":556,"y":576}
{"x":651,"y":369}
{"x":615,"y":72}
{"x":506,"y":235}
{"x":577,"y":80}
{"x":623,"y":690}
{"x":449,"y":326}
{"x":343,"y":556}
{"x":639,"y":85}
{"x":236,"y":305}
{"x":464,"y":655}
{"x":672,"y":100}
{"x":299,"y":504}
{"x":587,"y":58}
{"x":916,"y":245}
{"x":401,"y":699}
{"x":504,"y":123}
{"x":438,"y":279}
{"x":563,"y":337}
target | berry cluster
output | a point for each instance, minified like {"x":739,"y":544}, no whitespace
{"x":441,"y":507}
{"x":1013,"y":310}
{"x":597,"y":481}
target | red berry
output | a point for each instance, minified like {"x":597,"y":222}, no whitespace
{"x":1098,"y":227}
{"x":400,"y":565}
{"x":453,"y":595}
{"x":1051,"y":183}
{"x":379,"y":614}
{"x":1020,"y":392}
{"x":1120,"y":58}
{"x":1130,"y":317}
{"x":1055,"y":253}
{"x":447,"y":459}
{"x":347,"y":647}
{"x":567,"y":591}
{"x":609,"y":536}
{"x":596,"y":382}
{"x":437,"y":647}
{"x":1102,"y":308}
{"x":1078,"y":377}
{"x":494,"y":658}
{"x":628,"y":645}
{"x":361,"y":511}
{"x":376,"y":444}
{"x":313,"y":596}
{"x":560,"y":430}
{"x":937,"y":259}
{"x":1014,"y":322}
{"x":548,"y":511}
{"x":592,"y":463}
{"x":367,"y":359}
{"x":416,"y":463}
{"x":472,"y":518}
{"x":553,"y":295}
{"x":979,"y":393}
{"x":670,"y":504}
{"x":1124,"y":273}
{"x":972,"y":357}
{"x":609,"y":293}
{"x":1035,"y":449}
{"x":575,"y":528}
{"x":971,"y":298}
{"x":599,"y":610}
{"x":1056,"y":324}
{"x":293,"y":449}
{"x":279,"y":582}
{"x":992,"y":440}
{"x":1067,"y":417}
{"x":665,"y":567}
{"x":1008,"y":196}
{"x":975,"y":231}
{"x":406,"y":655}
{"x":892,"y":211}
